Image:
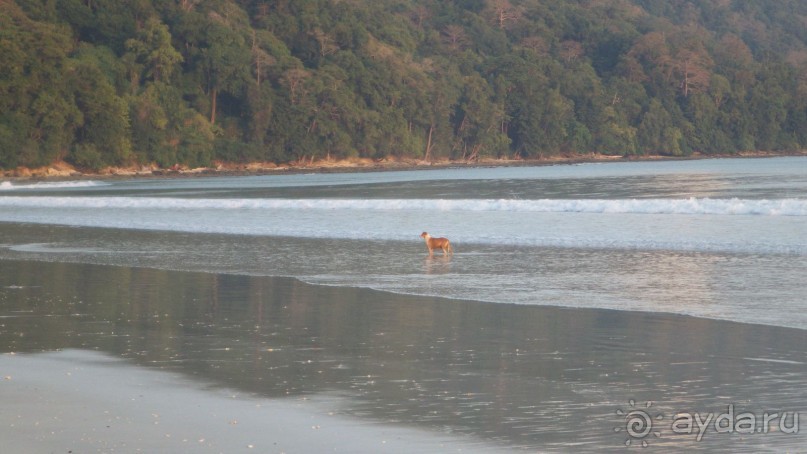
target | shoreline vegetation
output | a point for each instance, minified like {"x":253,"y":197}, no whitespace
{"x":187,"y":86}
{"x":64,"y":171}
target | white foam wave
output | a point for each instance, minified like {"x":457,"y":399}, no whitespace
{"x":9,"y":186}
{"x":690,"y":206}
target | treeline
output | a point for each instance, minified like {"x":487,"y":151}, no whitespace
{"x":108,"y":82}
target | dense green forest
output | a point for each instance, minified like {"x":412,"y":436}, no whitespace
{"x":109,"y":82}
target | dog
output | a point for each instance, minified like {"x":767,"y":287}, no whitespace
{"x":434,"y":243}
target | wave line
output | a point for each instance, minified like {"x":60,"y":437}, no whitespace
{"x":691,"y":206}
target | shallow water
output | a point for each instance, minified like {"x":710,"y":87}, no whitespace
{"x":752,"y":287}
{"x":712,"y":238}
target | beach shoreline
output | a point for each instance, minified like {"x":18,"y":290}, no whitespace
{"x":273,"y":363}
{"x":62,"y":171}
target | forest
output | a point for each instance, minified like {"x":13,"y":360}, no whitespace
{"x":99,"y":83}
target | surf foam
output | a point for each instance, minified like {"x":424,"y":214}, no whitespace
{"x":689,"y":206}
{"x":9,"y":186}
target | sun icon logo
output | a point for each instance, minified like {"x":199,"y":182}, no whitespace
{"x":638,"y":423}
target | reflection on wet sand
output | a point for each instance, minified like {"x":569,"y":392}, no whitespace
{"x":87,"y":401}
{"x":523,"y":376}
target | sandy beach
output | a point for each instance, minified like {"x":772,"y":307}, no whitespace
{"x":102,"y":358}
{"x":87,"y":401}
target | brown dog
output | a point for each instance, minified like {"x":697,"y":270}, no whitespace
{"x":434,"y":243}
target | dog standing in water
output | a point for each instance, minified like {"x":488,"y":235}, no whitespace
{"x":434,"y":243}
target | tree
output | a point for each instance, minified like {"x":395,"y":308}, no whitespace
{"x":692,"y":67}
{"x":105,"y":124}
{"x":614,"y":135}
{"x":570,"y":50}
{"x":455,"y":37}
{"x":657,"y":134}
{"x":225,"y":59}
{"x":502,"y":13}
{"x":36,"y":108}
{"x":327,"y":45}
{"x":294,"y":80}
{"x":437,"y":89}
{"x":478,"y":121}
{"x":152,"y":50}
{"x":261,"y":60}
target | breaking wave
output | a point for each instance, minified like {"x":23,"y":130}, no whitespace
{"x":689,"y":206}
{"x":9,"y":186}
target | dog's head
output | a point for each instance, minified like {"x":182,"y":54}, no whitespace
{"x":424,"y":235}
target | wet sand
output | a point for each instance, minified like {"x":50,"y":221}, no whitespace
{"x":112,"y":358}
{"x":86,"y":401}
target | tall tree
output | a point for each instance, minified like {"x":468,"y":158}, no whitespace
{"x":152,"y":50}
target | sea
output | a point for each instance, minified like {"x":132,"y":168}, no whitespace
{"x":615,"y":262}
{"x":723,"y":238}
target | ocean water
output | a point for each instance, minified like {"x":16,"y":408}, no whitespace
{"x":722,"y":239}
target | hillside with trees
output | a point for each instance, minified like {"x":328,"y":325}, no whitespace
{"x":101,"y":83}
